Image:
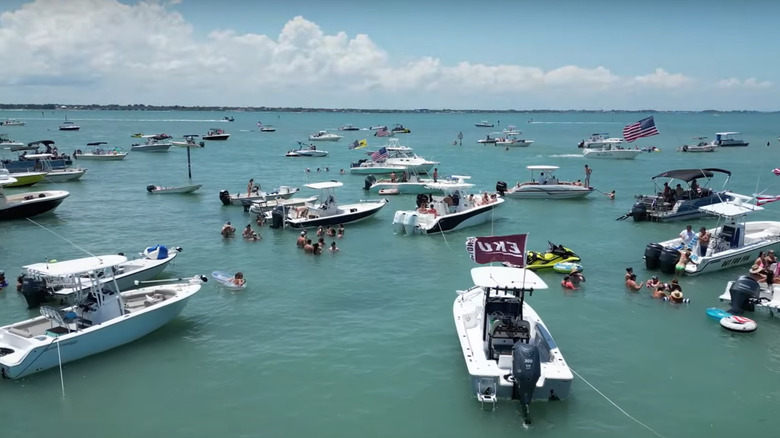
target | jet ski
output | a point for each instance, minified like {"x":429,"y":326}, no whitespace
{"x":555,"y":254}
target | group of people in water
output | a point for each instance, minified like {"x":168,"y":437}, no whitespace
{"x":671,"y":291}
{"x":318,"y":247}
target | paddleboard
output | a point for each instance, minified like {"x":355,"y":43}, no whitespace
{"x":717,"y":313}
{"x":567,"y":267}
{"x":226,"y":280}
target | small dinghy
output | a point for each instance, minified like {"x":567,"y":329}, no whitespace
{"x":160,"y":190}
{"x":226,"y":280}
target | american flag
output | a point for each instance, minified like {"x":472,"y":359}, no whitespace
{"x":379,"y":155}
{"x":383,"y":132}
{"x":761,"y":199}
{"x":643,"y":128}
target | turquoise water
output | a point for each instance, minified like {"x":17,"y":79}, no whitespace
{"x":362,"y":342}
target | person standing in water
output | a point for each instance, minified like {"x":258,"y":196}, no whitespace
{"x":460,"y":138}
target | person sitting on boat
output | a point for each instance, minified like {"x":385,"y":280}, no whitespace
{"x":238,"y":279}
{"x":392,"y":177}
{"x":679,"y":193}
{"x":301,"y":212}
{"x":695,"y":189}
{"x":485,"y":199}
{"x":228,"y":230}
{"x":632,"y":285}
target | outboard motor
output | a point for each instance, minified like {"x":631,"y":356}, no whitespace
{"x":526,"y":370}
{"x":224,"y":196}
{"x":668,"y":259}
{"x":277,"y":217}
{"x":653,"y":255}
{"x":34,"y":292}
{"x":202,"y":144}
{"x":150,"y":188}
{"x":369,"y":181}
{"x":501,"y":187}
{"x":639,"y":212}
{"x":744,"y":293}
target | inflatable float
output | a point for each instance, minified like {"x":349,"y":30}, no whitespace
{"x":737,"y":323}
{"x":567,"y":267}
{"x":226,"y":280}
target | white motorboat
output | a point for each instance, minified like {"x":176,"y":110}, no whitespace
{"x":547,"y":187}
{"x":404,"y":156}
{"x":399,"y":129}
{"x":24,"y":178}
{"x":55,"y":175}
{"x":282,"y":192}
{"x":601,"y":145}
{"x":511,"y":130}
{"x":483,"y":124}
{"x":306,"y":151}
{"x":153,"y":144}
{"x":670,"y":204}
{"x":507,"y":348}
{"x":488,"y":140}
{"x":102,"y":319}
{"x":700,"y":146}
{"x":69,"y":126}
{"x":369,"y":167}
{"x":28,"y":204}
{"x":39,"y":287}
{"x":6,"y":142}
{"x":216,"y":134}
{"x":735,"y":241}
{"x":513,"y":141}
{"x":12,"y":122}
{"x":267,"y":128}
{"x":325,"y":210}
{"x":414,"y":184}
{"x":172,"y":190}
{"x":97,"y":153}
{"x":189,"y":142}
{"x":265,"y":207}
{"x":440,"y":214}
{"x":324,"y":136}
{"x":348,"y":127}
{"x":728,"y":139}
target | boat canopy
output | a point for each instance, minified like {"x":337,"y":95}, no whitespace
{"x":76,"y":266}
{"x":96,"y":143}
{"x":41,"y":142}
{"x":730,"y":209}
{"x":542,"y":167}
{"x":689,"y":175}
{"x":324,"y":185}
{"x":502,"y":277}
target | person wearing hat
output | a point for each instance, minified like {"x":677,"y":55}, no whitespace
{"x":676,"y":297}
{"x":576,"y":277}
{"x":653,"y":282}
{"x":757,"y":272}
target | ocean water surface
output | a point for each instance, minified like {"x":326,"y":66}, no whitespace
{"x":362,"y":342}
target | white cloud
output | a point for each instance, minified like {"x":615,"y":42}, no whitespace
{"x":103,"y":51}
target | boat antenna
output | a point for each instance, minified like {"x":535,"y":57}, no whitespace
{"x":74,"y":245}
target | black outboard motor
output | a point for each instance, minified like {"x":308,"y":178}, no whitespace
{"x":150,"y":188}
{"x":202,"y":144}
{"x":369,"y":181}
{"x":501,"y":187}
{"x":668,"y":260}
{"x":526,"y":370}
{"x":639,"y":212}
{"x":34,"y":292}
{"x":224,"y":196}
{"x":277,"y":217}
{"x":744,"y":293}
{"x":653,"y":255}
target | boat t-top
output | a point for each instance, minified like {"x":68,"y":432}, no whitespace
{"x":101,"y":320}
{"x":547,"y":186}
{"x":734,"y":241}
{"x":216,"y":134}
{"x":96,"y":151}
{"x":507,"y":348}
{"x":670,"y":201}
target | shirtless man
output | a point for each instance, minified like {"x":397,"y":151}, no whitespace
{"x":632,"y":285}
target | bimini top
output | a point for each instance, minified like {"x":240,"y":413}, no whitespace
{"x":324,"y":185}
{"x":542,"y":167}
{"x":689,"y":175}
{"x":76,"y":266}
{"x":38,"y":156}
{"x":505,"y":277}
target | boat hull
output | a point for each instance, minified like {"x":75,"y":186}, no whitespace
{"x":174,"y":190}
{"x":102,"y":157}
{"x":151,"y":148}
{"x":612,"y":154}
{"x":378,"y":170}
{"x":66,"y":175}
{"x":361,"y":212}
{"x":549,"y":191}
{"x":17,"y":207}
{"x":26,"y":179}
{"x":219,"y":137}
{"x":95,"y":339}
{"x":413,"y":222}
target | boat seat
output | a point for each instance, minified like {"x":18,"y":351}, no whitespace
{"x":505,"y":362}
{"x":486,"y":392}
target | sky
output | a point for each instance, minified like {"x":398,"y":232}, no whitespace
{"x":402,"y":54}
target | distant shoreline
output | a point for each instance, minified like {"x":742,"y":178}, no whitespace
{"x":141,"y":107}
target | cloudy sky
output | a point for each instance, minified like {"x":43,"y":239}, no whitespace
{"x":404,"y":54}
